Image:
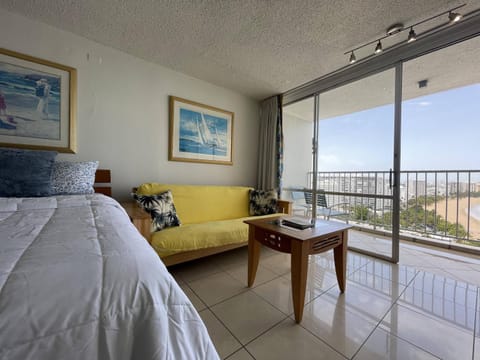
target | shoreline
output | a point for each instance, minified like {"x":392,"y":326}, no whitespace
{"x":462,"y":213}
{"x":474,"y":212}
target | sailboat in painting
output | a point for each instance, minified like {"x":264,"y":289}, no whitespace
{"x":205,"y":136}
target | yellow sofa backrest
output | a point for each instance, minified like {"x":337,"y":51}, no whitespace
{"x":201,"y":203}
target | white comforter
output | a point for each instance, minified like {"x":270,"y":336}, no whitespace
{"x":77,"y":281}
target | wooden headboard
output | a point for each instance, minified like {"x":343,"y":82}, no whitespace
{"x":103,"y":181}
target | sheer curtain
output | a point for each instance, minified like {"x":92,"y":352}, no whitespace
{"x":270,"y":144}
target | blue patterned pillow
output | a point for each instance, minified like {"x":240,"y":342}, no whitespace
{"x":161,"y":209}
{"x":73,"y":177}
{"x":25,"y":173}
{"x":263,"y":202}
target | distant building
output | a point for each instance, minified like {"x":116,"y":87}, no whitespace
{"x":461,"y":187}
{"x":356,"y":184}
{"x":416,"y":188}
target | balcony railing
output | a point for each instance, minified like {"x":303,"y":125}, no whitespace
{"x":439,"y":204}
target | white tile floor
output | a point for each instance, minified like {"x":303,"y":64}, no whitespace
{"x":425,"y":307}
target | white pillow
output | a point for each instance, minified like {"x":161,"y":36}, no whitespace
{"x":70,"y":178}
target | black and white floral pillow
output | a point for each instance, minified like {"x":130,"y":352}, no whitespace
{"x":263,"y":202}
{"x":70,"y":178}
{"x":161,"y":209}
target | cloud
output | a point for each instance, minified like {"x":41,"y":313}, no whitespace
{"x":328,"y":159}
{"x":424,"y":103}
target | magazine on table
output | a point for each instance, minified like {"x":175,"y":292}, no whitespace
{"x":298,"y":223}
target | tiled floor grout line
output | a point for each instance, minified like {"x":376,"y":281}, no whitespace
{"x":349,"y":273}
{"x":223,"y":324}
{"x":226,"y":327}
{"x":346,"y":309}
{"x":286,"y":315}
{"x":432,"y":316}
{"x":203,"y":302}
{"x":231,"y":333}
{"x":236,"y":351}
{"x":316,"y":297}
{"x":249,"y":353}
{"x":262,"y":333}
{"x":233,"y":353}
{"x":396,"y":335}
{"x":308,"y":302}
{"x":207,"y":307}
{"x":267,"y":330}
{"x":386,"y":313}
{"x":323,"y":341}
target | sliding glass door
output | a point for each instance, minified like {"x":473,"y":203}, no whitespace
{"x":356,"y":148}
{"x":354,"y":137}
{"x":440,"y":179}
{"x":341,"y":146}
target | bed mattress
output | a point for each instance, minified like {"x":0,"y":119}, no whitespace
{"x":77,"y":281}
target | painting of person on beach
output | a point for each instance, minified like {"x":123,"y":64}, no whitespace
{"x":29,"y":102}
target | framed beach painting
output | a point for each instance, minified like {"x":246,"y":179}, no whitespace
{"x":37,"y":103}
{"x":200,"y":133}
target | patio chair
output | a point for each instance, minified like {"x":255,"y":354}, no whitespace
{"x":298,"y":203}
{"x":340,"y":209}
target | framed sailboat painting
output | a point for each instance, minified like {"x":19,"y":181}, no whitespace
{"x":200,"y":133}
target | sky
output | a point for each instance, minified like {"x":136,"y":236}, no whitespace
{"x":440,"y":131}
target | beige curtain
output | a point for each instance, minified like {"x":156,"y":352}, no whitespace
{"x":270,"y":145}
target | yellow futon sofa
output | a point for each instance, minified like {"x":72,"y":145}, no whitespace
{"x":211,"y":220}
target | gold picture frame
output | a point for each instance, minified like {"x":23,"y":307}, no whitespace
{"x":200,"y":133}
{"x":38,"y":103}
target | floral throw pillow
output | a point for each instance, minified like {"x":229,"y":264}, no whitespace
{"x":161,"y":209}
{"x":69,"y":178}
{"x":263,"y":202}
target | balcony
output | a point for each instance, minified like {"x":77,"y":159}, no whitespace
{"x":440,"y":207}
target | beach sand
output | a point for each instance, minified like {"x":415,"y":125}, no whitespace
{"x":462,"y":213}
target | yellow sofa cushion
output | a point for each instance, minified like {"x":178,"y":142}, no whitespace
{"x":201,"y":203}
{"x":200,"y":236}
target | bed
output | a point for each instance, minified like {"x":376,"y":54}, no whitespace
{"x":77,"y":281}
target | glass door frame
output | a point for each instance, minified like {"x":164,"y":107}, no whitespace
{"x":396,"y":157}
{"x":430,"y":41}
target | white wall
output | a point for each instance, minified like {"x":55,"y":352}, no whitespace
{"x":122,"y":118}
{"x":297,"y":137}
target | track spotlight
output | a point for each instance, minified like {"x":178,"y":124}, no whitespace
{"x":393,"y":30}
{"x":352,"y":58}
{"x":453,"y":17}
{"x":411,"y":36}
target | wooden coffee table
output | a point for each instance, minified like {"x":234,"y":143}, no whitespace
{"x":324,"y":236}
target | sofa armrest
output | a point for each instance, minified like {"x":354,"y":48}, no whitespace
{"x":285,"y":206}
{"x":139,"y":217}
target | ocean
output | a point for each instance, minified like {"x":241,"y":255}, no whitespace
{"x":195,"y":147}
{"x":475,"y":212}
{"x":19,"y":92}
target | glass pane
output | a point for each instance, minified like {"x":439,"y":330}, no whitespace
{"x":440,"y":180}
{"x":356,"y":139}
{"x":297,"y":136}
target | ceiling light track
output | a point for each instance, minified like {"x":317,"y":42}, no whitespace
{"x":453,"y":17}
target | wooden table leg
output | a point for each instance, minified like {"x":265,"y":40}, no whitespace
{"x":340,"y":256}
{"x":299,"y":268}
{"x":253,"y":255}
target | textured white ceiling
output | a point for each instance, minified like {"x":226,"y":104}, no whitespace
{"x":255,"y":47}
{"x":448,"y":68}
